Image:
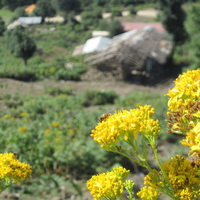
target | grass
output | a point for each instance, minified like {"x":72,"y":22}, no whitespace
{"x":7,"y":15}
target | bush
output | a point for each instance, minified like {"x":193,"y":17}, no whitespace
{"x":93,"y":97}
{"x":132,"y":10}
{"x":115,"y":28}
{"x":2,"y":26}
{"x":91,"y":18}
{"x":54,"y":91}
{"x":116,"y":12}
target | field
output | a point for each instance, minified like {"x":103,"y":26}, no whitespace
{"x":48,"y":111}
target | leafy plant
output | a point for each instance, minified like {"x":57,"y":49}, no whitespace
{"x":93,"y":97}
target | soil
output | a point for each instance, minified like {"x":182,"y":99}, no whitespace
{"x":93,"y":80}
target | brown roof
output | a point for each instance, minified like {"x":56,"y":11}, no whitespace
{"x":133,"y":48}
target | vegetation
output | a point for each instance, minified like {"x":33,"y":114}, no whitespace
{"x":20,"y":44}
{"x":38,"y":128}
{"x":173,"y":17}
{"x":2,"y":26}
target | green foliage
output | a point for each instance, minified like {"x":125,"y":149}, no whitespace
{"x":66,"y":5}
{"x":13,"y":4}
{"x":52,"y":134}
{"x":54,"y":91}
{"x":132,"y":10}
{"x":20,"y":44}
{"x":59,"y":70}
{"x":115,"y":28}
{"x":44,"y":9}
{"x":193,"y":29}
{"x":116,"y":11}
{"x":7,"y":15}
{"x":2,"y":26}
{"x":173,"y":17}
{"x":91,"y":18}
{"x":20,"y":12}
{"x":93,"y":97}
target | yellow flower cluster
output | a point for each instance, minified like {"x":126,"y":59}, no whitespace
{"x":186,"y":90}
{"x":108,"y":185}
{"x":148,"y":193}
{"x":125,"y":125}
{"x":192,"y":140}
{"x":13,"y":170}
{"x":184,"y":102}
{"x":182,"y":175}
{"x":24,"y":114}
{"x":55,"y":124}
{"x":22,"y":129}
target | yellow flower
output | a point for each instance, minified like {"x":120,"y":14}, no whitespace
{"x":7,"y":116}
{"x":148,"y":193}
{"x":22,"y":129}
{"x":108,"y":185}
{"x":47,"y":131}
{"x":125,"y":126}
{"x":184,"y":102}
{"x":186,"y":90}
{"x":192,"y":140}
{"x":55,"y":124}
{"x":24,"y":114}
{"x":183,"y":177}
{"x":71,"y":131}
{"x":13,"y":170}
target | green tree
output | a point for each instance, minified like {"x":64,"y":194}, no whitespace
{"x":66,"y":5}
{"x":193,"y":28}
{"x":44,"y":9}
{"x":20,"y":44}
{"x":2,"y":26}
{"x":173,"y":17}
{"x":91,"y":18}
{"x":13,"y":4}
{"x":115,"y":28}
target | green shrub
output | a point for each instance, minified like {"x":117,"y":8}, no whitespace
{"x":116,"y":11}
{"x":91,"y":18}
{"x":54,"y":91}
{"x":115,"y":28}
{"x":132,"y":10}
{"x":2,"y":26}
{"x":93,"y":97}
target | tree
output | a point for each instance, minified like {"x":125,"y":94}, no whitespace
{"x":20,"y":44}
{"x":193,"y":28}
{"x":66,"y":5}
{"x":13,"y":4}
{"x":173,"y":17}
{"x":2,"y":26}
{"x":44,"y":9}
{"x":115,"y":28}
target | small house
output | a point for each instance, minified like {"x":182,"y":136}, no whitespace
{"x":141,"y":52}
{"x":30,"y":20}
{"x":96,"y":44}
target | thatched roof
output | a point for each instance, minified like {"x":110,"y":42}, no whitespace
{"x":132,"y":49}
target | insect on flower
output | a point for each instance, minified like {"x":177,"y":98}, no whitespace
{"x":103,"y":117}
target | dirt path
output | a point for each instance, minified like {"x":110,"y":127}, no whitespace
{"x":19,"y":88}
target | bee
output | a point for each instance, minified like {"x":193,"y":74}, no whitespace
{"x":16,"y":154}
{"x":104,"y":117}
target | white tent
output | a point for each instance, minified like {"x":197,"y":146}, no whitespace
{"x":96,"y":44}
